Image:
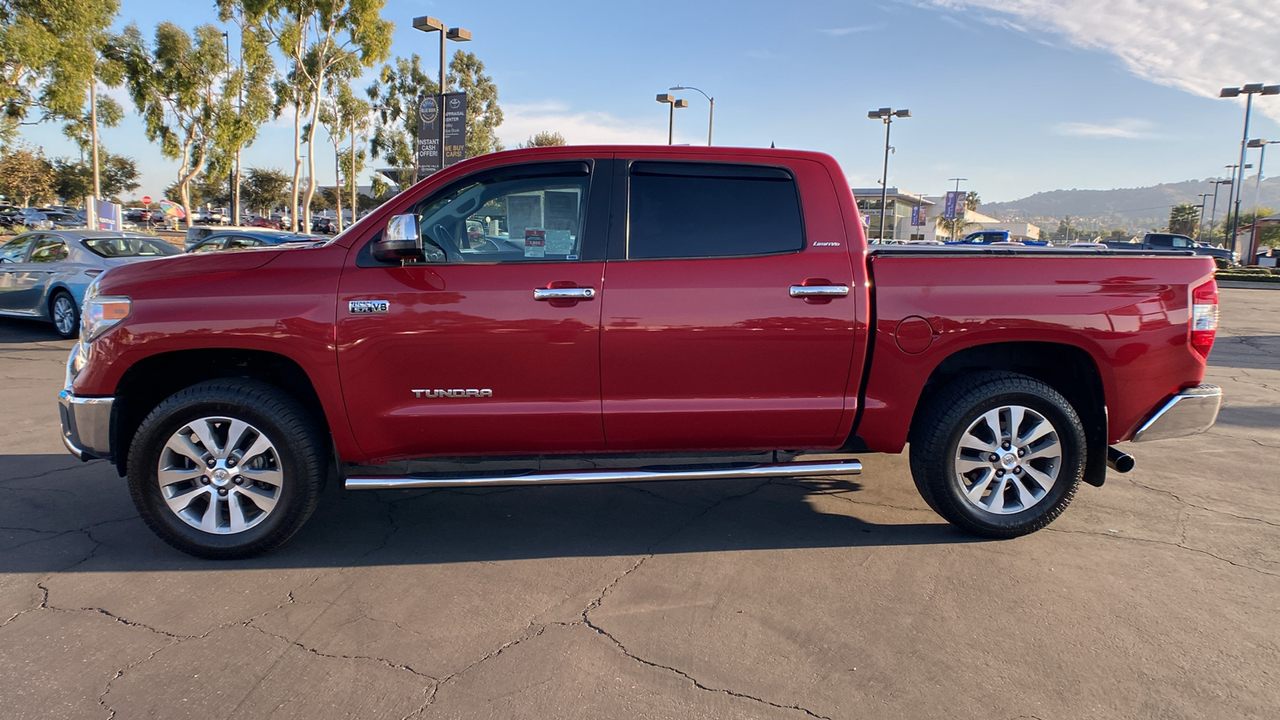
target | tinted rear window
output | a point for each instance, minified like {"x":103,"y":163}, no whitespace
{"x":693,"y":210}
{"x":129,"y":247}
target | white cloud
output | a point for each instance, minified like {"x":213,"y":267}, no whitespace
{"x":842,"y":31}
{"x":1199,"y":46}
{"x":1128,"y":128}
{"x":522,"y":121}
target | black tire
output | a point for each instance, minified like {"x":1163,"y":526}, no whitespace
{"x":948,"y":419}
{"x":297,"y":456}
{"x":62,"y":302}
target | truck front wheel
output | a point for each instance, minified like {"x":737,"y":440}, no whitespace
{"x":226,"y":469}
{"x":998,"y":454}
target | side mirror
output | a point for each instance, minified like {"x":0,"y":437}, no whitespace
{"x":400,"y":241}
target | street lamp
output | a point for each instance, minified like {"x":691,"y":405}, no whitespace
{"x":1214,"y":213}
{"x":674,"y":102}
{"x":1200,"y":218}
{"x":711,"y":116}
{"x":1249,"y":91}
{"x":430,"y":25}
{"x":1257,"y":187}
{"x":957,"y":182}
{"x":887,"y":115}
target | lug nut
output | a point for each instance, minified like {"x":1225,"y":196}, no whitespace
{"x":204,"y":481}
{"x":999,"y":473}
{"x":231,"y":462}
{"x":1022,"y":451}
{"x":210,"y":462}
{"x":222,"y":491}
{"x":993,"y":458}
{"x":1005,"y":445}
{"x":238,"y":480}
{"x":1017,"y":471}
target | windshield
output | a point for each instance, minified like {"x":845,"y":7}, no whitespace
{"x":115,"y":247}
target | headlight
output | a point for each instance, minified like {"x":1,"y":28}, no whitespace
{"x":101,"y":312}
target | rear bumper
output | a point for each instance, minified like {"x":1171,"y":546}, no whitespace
{"x":1191,"y":411}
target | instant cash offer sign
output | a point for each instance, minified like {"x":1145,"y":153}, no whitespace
{"x":432,"y":111}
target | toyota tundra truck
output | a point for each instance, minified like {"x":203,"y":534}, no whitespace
{"x":627,"y":314}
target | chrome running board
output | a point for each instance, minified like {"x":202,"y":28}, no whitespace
{"x":795,"y":469}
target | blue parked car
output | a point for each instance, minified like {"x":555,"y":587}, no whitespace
{"x":43,"y":274}
{"x":247,"y":238}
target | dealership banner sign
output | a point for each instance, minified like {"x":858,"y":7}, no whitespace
{"x":451,"y":110}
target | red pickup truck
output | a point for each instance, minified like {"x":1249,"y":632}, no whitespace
{"x":625,"y":314}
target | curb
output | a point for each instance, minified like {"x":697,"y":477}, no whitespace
{"x":1245,"y":285}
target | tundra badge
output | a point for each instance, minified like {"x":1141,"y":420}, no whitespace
{"x":368,"y":307}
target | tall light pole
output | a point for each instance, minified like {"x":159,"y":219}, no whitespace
{"x":1257,"y":188}
{"x":957,"y":182}
{"x":1249,"y":91}
{"x":1214,"y":213}
{"x":1204,"y":198}
{"x":430,"y":25}
{"x":711,"y":116}
{"x":674,"y":102}
{"x":887,"y":115}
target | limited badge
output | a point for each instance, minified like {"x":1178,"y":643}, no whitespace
{"x":368,"y":307}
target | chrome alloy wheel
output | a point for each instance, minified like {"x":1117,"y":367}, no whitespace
{"x":220,"y":475}
{"x":64,"y":314}
{"x":1008,"y":460}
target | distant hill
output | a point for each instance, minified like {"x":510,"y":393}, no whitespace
{"x":1132,"y":209}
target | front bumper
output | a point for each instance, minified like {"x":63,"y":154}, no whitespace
{"x":1191,"y":411}
{"x":86,"y":421}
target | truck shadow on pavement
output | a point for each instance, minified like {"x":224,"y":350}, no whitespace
{"x":15,"y":331}
{"x":80,"y":519}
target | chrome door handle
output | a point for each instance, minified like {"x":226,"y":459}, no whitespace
{"x":799,"y":291}
{"x":564,"y":293}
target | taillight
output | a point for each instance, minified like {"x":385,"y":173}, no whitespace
{"x":1204,"y":317}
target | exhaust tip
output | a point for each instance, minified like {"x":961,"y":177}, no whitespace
{"x":1119,"y":461}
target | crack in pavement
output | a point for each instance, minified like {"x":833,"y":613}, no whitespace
{"x":47,"y":473}
{"x":1188,"y":503}
{"x":371,"y":658}
{"x":1149,"y":541}
{"x":599,"y":600}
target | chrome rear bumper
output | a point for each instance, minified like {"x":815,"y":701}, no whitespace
{"x":1191,"y":411}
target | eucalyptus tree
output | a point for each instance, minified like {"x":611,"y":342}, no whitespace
{"x":176,"y":87}
{"x":395,"y":96}
{"x":319,"y":38}
{"x":466,"y":73}
{"x":249,"y":94}
{"x":343,"y":117}
{"x":48,"y":50}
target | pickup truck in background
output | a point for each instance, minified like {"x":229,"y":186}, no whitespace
{"x":625,"y":314}
{"x":1173,"y":241}
{"x":987,"y":237}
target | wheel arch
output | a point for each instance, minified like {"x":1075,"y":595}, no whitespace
{"x":1069,"y":369}
{"x":150,"y":380}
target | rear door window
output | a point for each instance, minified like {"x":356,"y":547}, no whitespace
{"x":49,"y":249}
{"x":705,"y":210}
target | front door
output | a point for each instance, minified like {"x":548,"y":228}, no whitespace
{"x":704,"y":344}
{"x":491,"y":344}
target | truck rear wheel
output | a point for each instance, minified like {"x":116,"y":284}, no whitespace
{"x":998,"y":454}
{"x":226,"y":469}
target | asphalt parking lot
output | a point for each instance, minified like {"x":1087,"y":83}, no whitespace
{"x":1156,"y":596}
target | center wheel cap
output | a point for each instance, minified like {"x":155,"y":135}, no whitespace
{"x":220,"y":477}
{"x":1009,"y":460}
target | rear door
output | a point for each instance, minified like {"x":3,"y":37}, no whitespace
{"x":728,"y":318}
{"x":492,"y":345}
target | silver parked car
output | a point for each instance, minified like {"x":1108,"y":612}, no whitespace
{"x":43,"y":274}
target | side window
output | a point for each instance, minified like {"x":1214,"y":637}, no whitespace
{"x":1181,"y":242}
{"x":240,"y":241}
{"x":49,"y":249}
{"x":15,"y":251}
{"x":206,"y":246}
{"x":507,"y":217}
{"x":700,"y":210}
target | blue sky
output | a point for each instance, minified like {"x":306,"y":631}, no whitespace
{"x":1018,"y":96}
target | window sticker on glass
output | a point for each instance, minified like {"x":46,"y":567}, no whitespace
{"x":535,"y":242}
